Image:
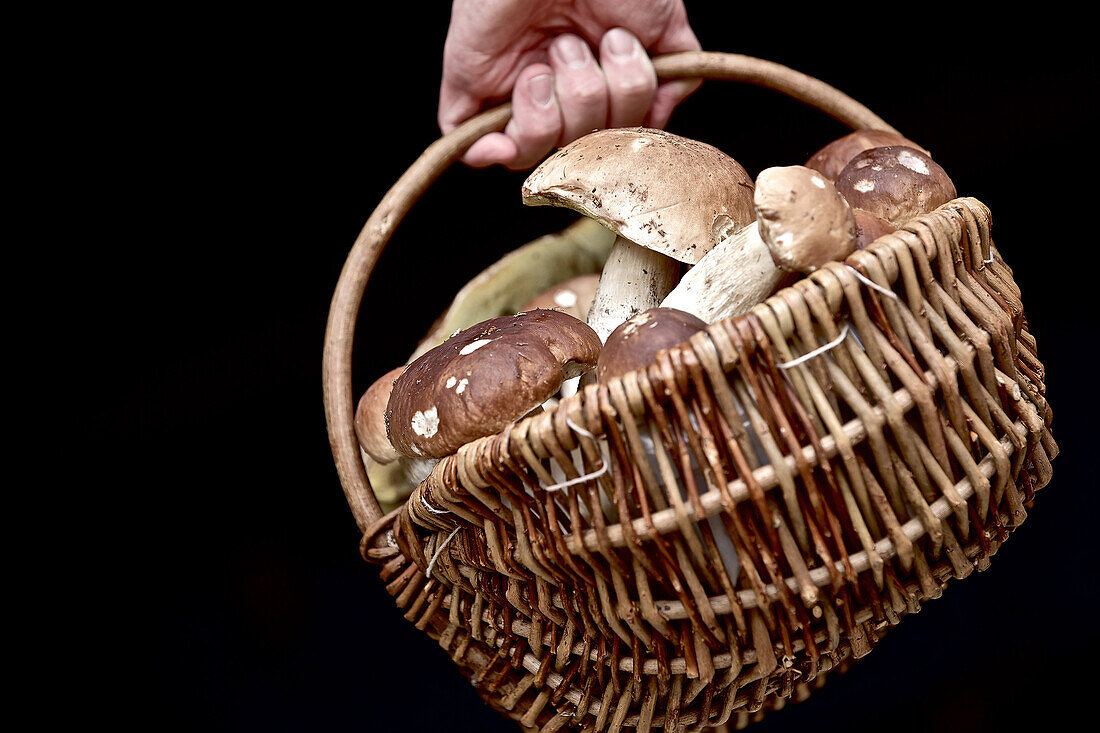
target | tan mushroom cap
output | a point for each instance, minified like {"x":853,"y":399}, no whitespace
{"x":573,"y":296}
{"x":668,"y":193}
{"x":832,"y":158}
{"x":895,"y":183}
{"x":802,"y":218}
{"x":635,"y":343}
{"x":370,"y":418}
{"x":485,"y":377}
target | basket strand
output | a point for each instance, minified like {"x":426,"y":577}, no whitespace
{"x":872,"y":284}
{"x":816,"y":352}
{"x":438,"y":551}
{"x":588,"y":476}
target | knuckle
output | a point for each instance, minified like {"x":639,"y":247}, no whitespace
{"x":589,"y":92}
{"x":634,"y":87}
{"x":539,"y":129}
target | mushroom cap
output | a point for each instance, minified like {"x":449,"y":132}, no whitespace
{"x":574,"y":296}
{"x":895,"y":183}
{"x":832,"y":158}
{"x":870,"y":227}
{"x":370,"y":418}
{"x":803,"y":219}
{"x":671,"y":194}
{"x":485,"y":377}
{"x":635,"y":343}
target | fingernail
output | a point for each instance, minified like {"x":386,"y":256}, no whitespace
{"x":620,"y":43}
{"x":573,"y":52}
{"x":542,"y":89}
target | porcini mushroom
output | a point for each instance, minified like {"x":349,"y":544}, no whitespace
{"x":832,"y":158}
{"x":669,"y":199}
{"x":574,"y":296}
{"x":636,"y":341}
{"x":870,"y":227}
{"x":895,"y":183}
{"x":394,"y":483}
{"x":635,"y":344}
{"x":370,"y":418}
{"x":485,"y":377}
{"x":802,"y":222}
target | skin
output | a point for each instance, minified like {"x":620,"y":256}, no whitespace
{"x":568,"y":67}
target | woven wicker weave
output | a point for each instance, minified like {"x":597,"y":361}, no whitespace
{"x":854,"y":484}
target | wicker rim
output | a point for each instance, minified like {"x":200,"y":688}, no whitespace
{"x":339,"y":399}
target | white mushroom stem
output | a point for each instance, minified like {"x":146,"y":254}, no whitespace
{"x":729,"y":280}
{"x":634,"y":279}
{"x":417,"y":469}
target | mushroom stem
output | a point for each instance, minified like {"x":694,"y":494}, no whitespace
{"x":634,"y":279}
{"x":729,"y":280}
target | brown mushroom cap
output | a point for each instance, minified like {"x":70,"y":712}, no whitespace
{"x":485,"y":377}
{"x":370,"y":418}
{"x":635,"y":343}
{"x":870,"y":227}
{"x":895,"y":183}
{"x":832,"y":158}
{"x":574,"y":296}
{"x":803,"y":219}
{"x":667,"y":193}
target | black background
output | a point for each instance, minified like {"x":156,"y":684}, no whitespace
{"x":263,"y":144}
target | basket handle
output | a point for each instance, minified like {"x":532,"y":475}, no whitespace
{"x":336,"y":365}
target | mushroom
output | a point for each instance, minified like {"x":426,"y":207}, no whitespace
{"x":574,"y":296}
{"x":485,"y":377}
{"x":669,"y":199}
{"x":634,"y":345}
{"x":802,"y":222}
{"x":636,"y":341}
{"x":397,"y":481}
{"x":370,"y":419}
{"x":832,"y":158}
{"x":870,"y":227}
{"x":895,"y":183}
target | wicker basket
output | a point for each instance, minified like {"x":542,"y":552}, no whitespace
{"x":897,"y":458}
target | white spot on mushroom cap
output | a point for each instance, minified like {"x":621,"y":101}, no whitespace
{"x":635,"y":322}
{"x":458,"y":385}
{"x":864,"y":186}
{"x":785,"y":239}
{"x":474,"y":346}
{"x":913,"y":163}
{"x":565,"y":298}
{"x":817,"y":182}
{"x":425,"y":424}
{"x":640,"y":143}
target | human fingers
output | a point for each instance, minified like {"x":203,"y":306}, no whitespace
{"x":678,"y":36}
{"x":536,"y":117}
{"x":631,"y":80}
{"x":667,"y":98}
{"x":579,"y":86}
{"x":496,"y":147}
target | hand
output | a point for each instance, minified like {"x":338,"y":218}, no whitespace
{"x":543,"y":54}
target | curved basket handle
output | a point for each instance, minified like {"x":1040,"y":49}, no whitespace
{"x":340,"y":331}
